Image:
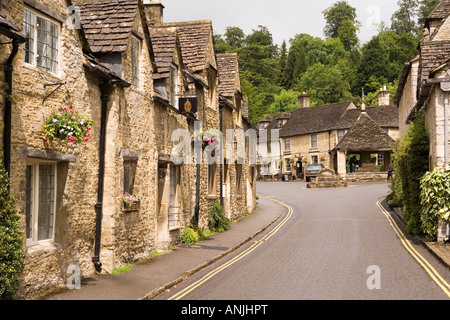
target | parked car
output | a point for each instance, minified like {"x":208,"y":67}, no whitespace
{"x":312,"y":170}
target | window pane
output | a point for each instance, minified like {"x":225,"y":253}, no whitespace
{"x":28,"y":32}
{"x":46,"y":201}
{"x":29,"y":201}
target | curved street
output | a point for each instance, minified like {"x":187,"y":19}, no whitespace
{"x":331,"y":244}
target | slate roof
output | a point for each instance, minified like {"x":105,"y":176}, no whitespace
{"x":228,"y":67}
{"x":107,"y":24}
{"x":194,"y":38}
{"x":337,"y":116}
{"x":164,"y":41}
{"x":365,"y":135}
{"x":432,"y":55}
{"x":441,"y":11}
{"x":315,"y":119}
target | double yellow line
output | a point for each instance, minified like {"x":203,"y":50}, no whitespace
{"x":252,"y":248}
{"x":416,"y":255}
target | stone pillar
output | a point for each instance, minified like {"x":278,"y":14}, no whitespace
{"x":341,"y":163}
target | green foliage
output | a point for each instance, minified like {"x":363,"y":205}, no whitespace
{"x":11,"y":241}
{"x":217,"y":220}
{"x":435,"y":200}
{"x":410,"y":163}
{"x":189,"y":236}
{"x":286,"y":100}
{"x":340,"y":15}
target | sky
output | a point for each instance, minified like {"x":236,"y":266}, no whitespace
{"x":283,"y":18}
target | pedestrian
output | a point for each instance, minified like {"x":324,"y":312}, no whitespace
{"x":390,"y":170}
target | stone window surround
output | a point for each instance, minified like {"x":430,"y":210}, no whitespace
{"x":52,"y":16}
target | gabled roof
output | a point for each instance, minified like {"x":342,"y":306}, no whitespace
{"x":366,"y":135}
{"x":194,"y":37}
{"x":228,"y":67}
{"x":164,"y":43}
{"x":315,"y":119}
{"x":441,"y":11}
{"x":107,"y":24}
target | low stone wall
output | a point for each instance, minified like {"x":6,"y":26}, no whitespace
{"x":326,"y":179}
{"x":364,"y":177}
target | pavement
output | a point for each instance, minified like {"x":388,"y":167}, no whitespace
{"x":148,"y":279}
{"x":439,"y":249}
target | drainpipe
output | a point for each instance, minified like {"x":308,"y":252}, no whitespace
{"x":445,"y":86}
{"x":7,"y":116}
{"x":198,"y":148}
{"x":221,"y":155}
{"x":105,"y":91}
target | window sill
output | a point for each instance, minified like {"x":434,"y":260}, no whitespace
{"x":211,"y":197}
{"x":41,"y":248}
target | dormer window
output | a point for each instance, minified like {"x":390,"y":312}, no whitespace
{"x":41,"y":47}
{"x":135,"y":57}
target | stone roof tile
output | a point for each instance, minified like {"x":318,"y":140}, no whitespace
{"x":108,"y":20}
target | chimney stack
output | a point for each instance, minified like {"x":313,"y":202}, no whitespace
{"x":153,"y":12}
{"x":383,"y":97}
{"x":303,"y":100}
{"x":363,"y":102}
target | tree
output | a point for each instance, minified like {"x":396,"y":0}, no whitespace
{"x":283,"y":77}
{"x":286,"y":100}
{"x":11,"y":241}
{"x":403,"y":20}
{"x":341,"y":23}
{"x":383,"y":58}
{"x":234,"y":37}
{"x":326,"y":84}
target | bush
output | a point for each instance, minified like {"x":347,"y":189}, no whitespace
{"x":435,"y":200}
{"x":11,"y":241}
{"x":410,"y":163}
{"x":189,"y":236}
{"x":217,"y":220}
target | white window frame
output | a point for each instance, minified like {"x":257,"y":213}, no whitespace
{"x":136,"y":46}
{"x":34,"y":223}
{"x":287,"y":144}
{"x":33,"y":46}
{"x":314,"y":140}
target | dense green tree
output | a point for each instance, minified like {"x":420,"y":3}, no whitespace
{"x":403,"y":20}
{"x":383,"y":58}
{"x":341,"y":22}
{"x":326,"y":84}
{"x":286,"y":100}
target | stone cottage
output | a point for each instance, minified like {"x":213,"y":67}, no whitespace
{"x":424,"y":86}
{"x":318,"y":134}
{"x":115,"y":64}
{"x":237,"y":176}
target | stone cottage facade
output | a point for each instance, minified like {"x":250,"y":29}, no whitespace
{"x":424,"y":86}
{"x":115,"y":63}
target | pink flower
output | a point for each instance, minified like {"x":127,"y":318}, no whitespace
{"x":73,"y":138}
{"x":54,"y":120}
{"x":85,"y":139}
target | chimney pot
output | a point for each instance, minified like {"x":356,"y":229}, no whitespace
{"x":303,"y":100}
{"x":383,"y":97}
{"x":153,"y":12}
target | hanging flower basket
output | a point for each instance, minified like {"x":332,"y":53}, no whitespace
{"x":209,"y":137}
{"x":67,"y":125}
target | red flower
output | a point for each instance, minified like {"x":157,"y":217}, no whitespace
{"x":73,"y":138}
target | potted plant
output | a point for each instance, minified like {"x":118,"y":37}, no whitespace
{"x":67,"y":125}
{"x":131,"y":202}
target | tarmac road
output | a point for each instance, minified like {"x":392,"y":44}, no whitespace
{"x":332,"y":244}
